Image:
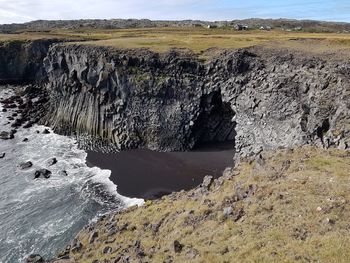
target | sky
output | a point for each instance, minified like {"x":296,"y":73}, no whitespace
{"x":18,"y":11}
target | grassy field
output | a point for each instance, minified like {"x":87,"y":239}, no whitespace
{"x":195,"y":39}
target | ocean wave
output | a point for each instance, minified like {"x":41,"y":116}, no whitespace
{"x":42,"y":215}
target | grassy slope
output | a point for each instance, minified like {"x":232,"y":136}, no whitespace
{"x":196,"y":39}
{"x":292,"y":206}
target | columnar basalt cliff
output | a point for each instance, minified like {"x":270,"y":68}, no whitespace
{"x":259,"y":98}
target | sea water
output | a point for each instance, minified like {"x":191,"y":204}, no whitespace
{"x":43,"y":215}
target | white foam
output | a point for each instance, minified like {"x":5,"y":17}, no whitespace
{"x":43,"y":214}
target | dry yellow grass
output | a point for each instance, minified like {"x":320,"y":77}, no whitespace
{"x":195,"y":39}
{"x":200,"y":39}
{"x":292,"y":207}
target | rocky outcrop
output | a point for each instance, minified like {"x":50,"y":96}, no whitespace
{"x":260,"y":98}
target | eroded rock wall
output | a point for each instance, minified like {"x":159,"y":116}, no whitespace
{"x":262,"y":99}
{"x":133,"y":98}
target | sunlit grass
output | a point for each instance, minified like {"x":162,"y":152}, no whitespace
{"x":193,"y":38}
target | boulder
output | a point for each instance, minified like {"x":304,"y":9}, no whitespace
{"x":2,"y":155}
{"x":207,"y":181}
{"x":46,"y":131}
{"x":107,"y":250}
{"x":227,"y":211}
{"x":63,"y":173}
{"x":177,"y":246}
{"x":42,"y":173}
{"x":4,"y":135}
{"x":34,"y":258}
{"x":76,"y":246}
{"x":28,"y":125}
{"x":25,"y":165}
{"x":52,"y":161}
{"x":25,"y":140}
{"x":93,"y":237}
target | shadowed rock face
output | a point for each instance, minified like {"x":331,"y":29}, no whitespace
{"x":258,"y":98}
{"x":21,"y":61}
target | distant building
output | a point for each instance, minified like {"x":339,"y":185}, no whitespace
{"x":211,"y":26}
{"x":267,"y":28}
{"x":240,"y":27}
{"x":298,"y":28}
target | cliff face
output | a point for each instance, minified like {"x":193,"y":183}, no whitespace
{"x":259,"y":98}
{"x":21,"y":61}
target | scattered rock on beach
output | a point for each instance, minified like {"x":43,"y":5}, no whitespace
{"x":46,"y":131}
{"x":35,"y":258}
{"x":25,"y":165}
{"x":6,"y":135}
{"x":63,"y":173}
{"x":52,"y":161}
{"x":43,"y":173}
{"x":28,"y":125}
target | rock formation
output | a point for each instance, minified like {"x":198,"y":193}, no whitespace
{"x":136,"y":98}
{"x":257,"y":97}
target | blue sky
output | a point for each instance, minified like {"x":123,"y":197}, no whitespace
{"x":16,"y":11}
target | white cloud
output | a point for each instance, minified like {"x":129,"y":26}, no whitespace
{"x":66,"y":9}
{"x":26,"y":10}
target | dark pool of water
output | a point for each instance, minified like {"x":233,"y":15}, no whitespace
{"x":149,"y":174}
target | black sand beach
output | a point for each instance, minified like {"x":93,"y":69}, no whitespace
{"x":148,"y":174}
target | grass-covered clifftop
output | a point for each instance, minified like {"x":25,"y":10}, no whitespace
{"x":284,"y":206}
{"x":196,"y":39}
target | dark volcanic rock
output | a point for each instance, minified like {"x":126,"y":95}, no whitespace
{"x":52,"y":161}
{"x":258,"y":98}
{"x":93,"y":237}
{"x":21,"y":62}
{"x":63,"y":173}
{"x":28,"y":125}
{"x":6,"y":135}
{"x":35,"y":258}
{"x":46,"y":131}
{"x":43,"y":173}
{"x":25,"y":165}
{"x":177,"y":246}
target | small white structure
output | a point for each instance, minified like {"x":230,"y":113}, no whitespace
{"x":266,"y":28}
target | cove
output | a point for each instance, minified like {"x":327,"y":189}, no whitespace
{"x":149,"y":174}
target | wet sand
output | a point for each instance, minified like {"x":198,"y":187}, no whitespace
{"x":149,"y":174}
